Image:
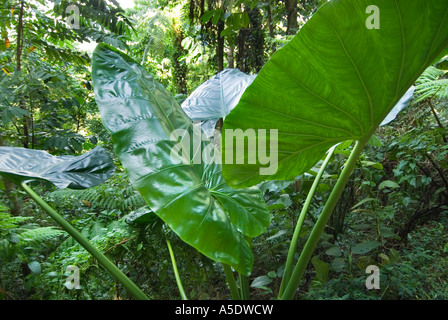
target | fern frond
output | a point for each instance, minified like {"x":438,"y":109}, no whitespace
{"x":9,"y":222}
{"x":109,"y":199}
{"x":430,"y":86}
{"x":156,"y":29}
{"x":135,"y":201}
{"x":430,"y":73}
{"x":41,"y":234}
{"x":3,"y":208}
{"x":90,"y":195}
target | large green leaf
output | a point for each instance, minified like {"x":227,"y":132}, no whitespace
{"x":215,"y":98}
{"x":189,"y":195}
{"x":335,"y":81}
{"x":80,"y":172}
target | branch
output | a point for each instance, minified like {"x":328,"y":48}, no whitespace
{"x":7,"y":294}
{"x":437,"y":119}
{"x":438,"y":169}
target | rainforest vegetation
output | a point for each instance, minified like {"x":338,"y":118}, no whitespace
{"x":360,"y":102}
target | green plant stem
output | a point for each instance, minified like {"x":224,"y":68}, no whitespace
{"x":293,"y":246}
{"x":176,"y":272}
{"x":231,"y":282}
{"x":243,"y":280}
{"x":244,"y":287}
{"x":319,"y":227}
{"x":135,"y":291}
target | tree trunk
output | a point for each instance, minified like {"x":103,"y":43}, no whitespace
{"x":242,"y":43}
{"x":180,"y":67}
{"x":231,"y":56}
{"x":270,"y":22}
{"x":257,"y":40}
{"x":271,"y":27}
{"x":292,"y":24}
{"x":18,"y":69}
{"x":19,"y":38}
{"x":250,"y":57}
{"x":220,"y":47}
{"x":242,"y":58}
{"x":192,"y":10}
{"x":202,"y":13}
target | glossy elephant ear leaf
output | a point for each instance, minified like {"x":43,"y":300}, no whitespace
{"x":403,"y":103}
{"x":335,"y":81}
{"x":189,"y":195}
{"x":215,"y":98}
{"x":80,"y":172}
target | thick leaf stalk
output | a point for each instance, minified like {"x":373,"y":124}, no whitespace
{"x":176,"y":272}
{"x":231,"y":282}
{"x":319,"y":227}
{"x":295,"y":238}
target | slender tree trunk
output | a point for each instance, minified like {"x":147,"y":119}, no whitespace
{"x":231,"y":56}
{"x":192,"y":10}
{"x":202,"y":13}
{"x":220,"y":47}
{"x":242,"y":58}
{"x":271,"y":27}
{"x":434,"y":113}
{"x":251,"y":43}
{"x":242,"y":50}
{"x":270,"y":22}
{"x":18,"y":69}
{"x":292,"y":23}
{"x":257,"y":40}
{"x":180,"y":67}
{"x":20,"y":38}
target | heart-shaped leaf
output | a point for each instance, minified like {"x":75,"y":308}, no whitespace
{"x":261,"y":281}
{"x":163,"y":154}
{"x":80,"y":172}
{"x":35,"y":267}
{"x":336,"y":80}
{"x":215,"y":98}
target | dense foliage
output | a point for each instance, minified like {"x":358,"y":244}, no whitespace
{"x":392,"y":213}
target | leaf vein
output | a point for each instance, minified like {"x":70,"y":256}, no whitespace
{"x":355,"y":66}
